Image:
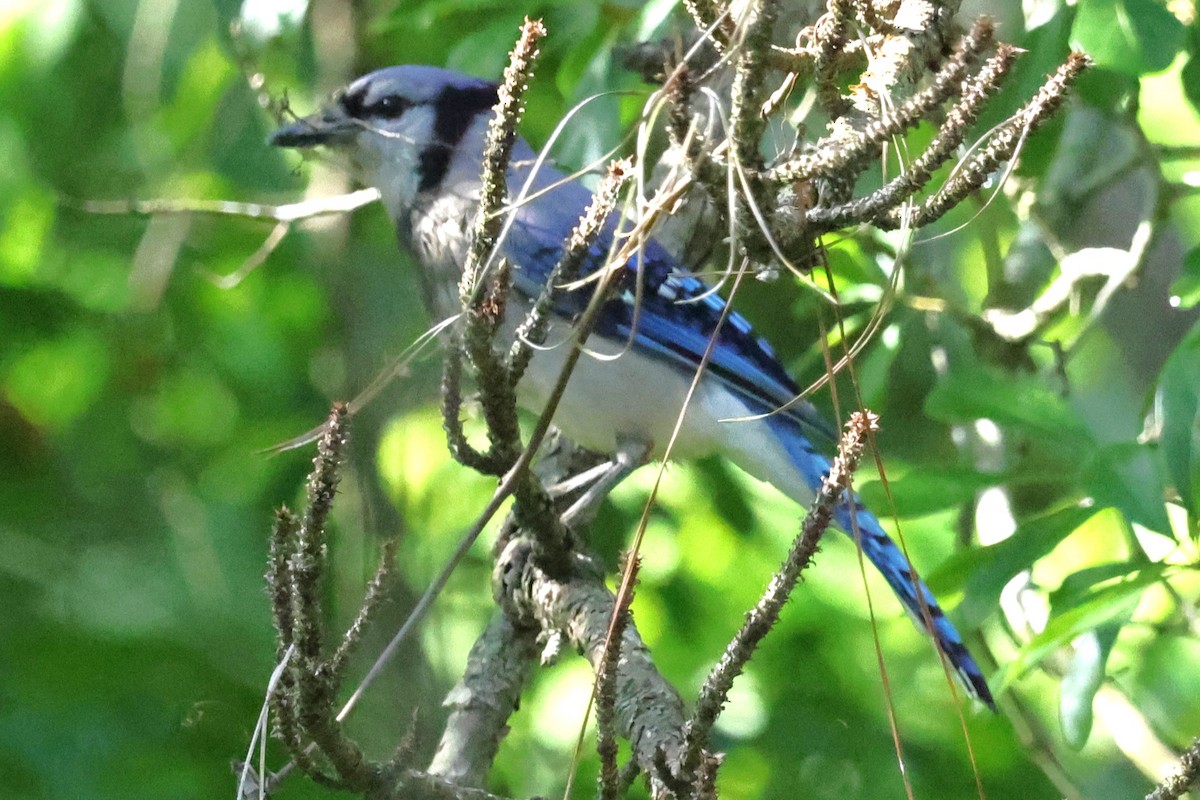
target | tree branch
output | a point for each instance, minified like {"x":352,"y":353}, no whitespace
{"x":649,"y":712}
{"x":1183,"y":779}
{"x":498,"y":668}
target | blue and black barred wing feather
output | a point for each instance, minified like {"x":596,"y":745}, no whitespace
{"x":662,"y":309}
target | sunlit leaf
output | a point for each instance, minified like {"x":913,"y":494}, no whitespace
{"x":204,"y":79}
{"x":1126,"y":476}
{"x":30,"y":217}
{"x":1075,"y":588}
{"x":55,"y":382}
{"x":1019,"y":401}
{"x":1084,"y":676}
{"x":1130,"y":36}
{"x":1166,"y":686}
{"x":983,"y":572}
{"x":1179,"y":389}
{"x":1101,"y":607}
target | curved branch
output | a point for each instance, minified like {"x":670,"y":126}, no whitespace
{"x":649,"y":712}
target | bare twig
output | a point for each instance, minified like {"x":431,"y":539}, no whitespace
{"x":484,"y":295}
{"x":1185,"y":778}
{"x":532,"y":331}
{"x":289,"y":212}
{"x":606,"y":695}
{"x":376,"y":594}
{"x":1004,"y":143}
{"x":763,"y":616}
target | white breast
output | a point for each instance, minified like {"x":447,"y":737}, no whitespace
{"x":633,"y":397}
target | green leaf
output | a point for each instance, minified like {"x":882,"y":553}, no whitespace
{"x":1190,"y":74}
{"x":984,"y":572}
{"x":926,"y":491}
{"x":1102,"y":607}
{"x":54,"y":382}
{"x":192,"y":406}
{"x":1084,"y":676}
{"x":1179,"y":392}
{"x":482,"y":51}
{"x":1076,"y":587}
{"x":1020,"y":402}
{"x":23,"y":236}
{"x":1126,"y":476}
{"x":1107,"y":90}
{"x":1130,"y":36}
{"x":1166,"y":687}
{"x":1185,"y":292}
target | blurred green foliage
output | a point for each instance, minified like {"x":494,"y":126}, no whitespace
{"x":136,"y":396}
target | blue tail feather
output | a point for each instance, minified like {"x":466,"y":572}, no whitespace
{"x":889,"y":559}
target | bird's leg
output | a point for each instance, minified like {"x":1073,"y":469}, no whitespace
{"x":630,"y":454}
{"x":578,"y":481}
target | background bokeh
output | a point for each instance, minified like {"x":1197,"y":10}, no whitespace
{"x":137,"y":394}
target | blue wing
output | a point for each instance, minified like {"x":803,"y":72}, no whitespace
{"x":671,"y":313}
{"x":676,"y":318}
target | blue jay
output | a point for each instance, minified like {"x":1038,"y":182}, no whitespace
{"x":416,"y":133}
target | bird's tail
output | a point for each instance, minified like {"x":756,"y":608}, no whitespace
{"x":853,"y":518}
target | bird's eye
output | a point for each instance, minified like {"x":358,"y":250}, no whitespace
{"x":390,"y":106}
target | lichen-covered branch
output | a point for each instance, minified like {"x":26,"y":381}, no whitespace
{"x":911,"y":75}
{"x":1000,"y":148}
{"x":304,"y":699}
{"x":855,"y":150}
{"x":920,"y":171}
{"x":497,"y":671}
{"x":649,"y":712}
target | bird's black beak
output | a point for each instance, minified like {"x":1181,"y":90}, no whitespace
{"x":329,"y":126}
